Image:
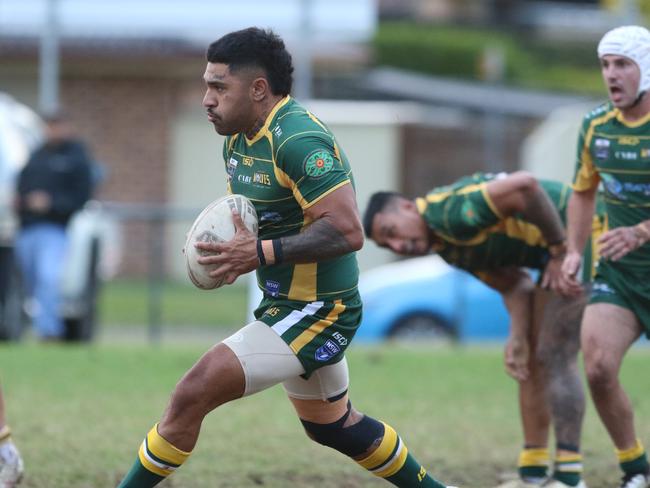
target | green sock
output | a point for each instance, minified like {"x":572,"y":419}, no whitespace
{"x":140,"y":477}
{"x":157,"y":459}
{"x":568,"y":469}
{"x":634,"y":460}
{"x":392,"y":461}
{"x":533,"y":463}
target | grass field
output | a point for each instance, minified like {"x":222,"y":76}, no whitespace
{"x":126,"y":303}
{"x":79,"y":414}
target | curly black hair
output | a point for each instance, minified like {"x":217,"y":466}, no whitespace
{"x":255,"y":47}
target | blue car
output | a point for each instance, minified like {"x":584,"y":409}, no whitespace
{"x":425,"y":298}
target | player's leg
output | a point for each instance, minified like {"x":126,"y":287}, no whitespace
{"x":326,"y":413}
{"x":534,"y":459}
{"x":251,"y":360}
{"x":608,"y":331}
{"x":559,"y":343}
{"x":11,"y":464}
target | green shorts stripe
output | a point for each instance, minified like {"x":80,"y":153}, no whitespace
{"x":317,"y":332}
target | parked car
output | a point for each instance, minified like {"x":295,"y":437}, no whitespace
{"x":425,"y":298}
{"x":91,"y":232}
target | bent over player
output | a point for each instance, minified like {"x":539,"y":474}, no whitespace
{"x":290,"y":166}
{"x":614,"y":149}
{"x":494,"y":226}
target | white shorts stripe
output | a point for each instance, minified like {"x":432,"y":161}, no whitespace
{"x":295,"y":317}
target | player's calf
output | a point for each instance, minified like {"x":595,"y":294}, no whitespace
{"x":375,"y":446}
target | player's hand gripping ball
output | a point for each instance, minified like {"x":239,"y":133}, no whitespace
{"x":214,"y":224}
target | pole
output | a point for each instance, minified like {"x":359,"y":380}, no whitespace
{"x":303,"y":58}
{"x":48,"y":89}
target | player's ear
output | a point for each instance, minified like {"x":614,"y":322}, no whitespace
{"x":259,"y":89}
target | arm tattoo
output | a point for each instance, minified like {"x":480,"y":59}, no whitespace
{"x":318,"y":242}
{"x":541,"y":212}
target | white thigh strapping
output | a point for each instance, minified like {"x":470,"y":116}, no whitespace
{"x":265,"y":358}
{"x":326,"y":382}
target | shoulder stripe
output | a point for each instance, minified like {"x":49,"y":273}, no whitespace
{"x":275,"y":155}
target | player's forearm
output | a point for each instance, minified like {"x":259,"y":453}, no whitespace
{"x":580,"y":211}
{"x":539,"y":210}
{"x":320,"y":241}
{"x":642,"y":231}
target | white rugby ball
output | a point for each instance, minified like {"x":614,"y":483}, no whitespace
{"x":214,"y":224}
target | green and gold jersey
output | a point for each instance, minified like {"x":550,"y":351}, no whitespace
{"x":470,"y":233}
{"x":617,"y":152}
{"x":289,"y":165}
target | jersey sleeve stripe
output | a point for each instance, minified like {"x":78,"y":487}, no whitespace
{"x":321,"y":196}
{"x":490,"y":202}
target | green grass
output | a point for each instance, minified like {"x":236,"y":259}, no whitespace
{"x":79,"y":414}
{"x":126,"y":303}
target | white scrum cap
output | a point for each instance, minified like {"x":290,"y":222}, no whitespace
{"x":631,"y":41}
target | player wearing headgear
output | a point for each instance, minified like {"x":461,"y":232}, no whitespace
{"x":614,"y":149}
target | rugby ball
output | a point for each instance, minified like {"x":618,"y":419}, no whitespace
{"x":214,"y":224}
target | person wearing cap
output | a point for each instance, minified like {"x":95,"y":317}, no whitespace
{"x":614,"y":151}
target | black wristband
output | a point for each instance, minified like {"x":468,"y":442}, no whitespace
{"x":277,"y":251}
{"x":260,"y":253}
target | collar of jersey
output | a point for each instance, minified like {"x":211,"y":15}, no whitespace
{"x":632,"y":123}
{"x":267,"y":122}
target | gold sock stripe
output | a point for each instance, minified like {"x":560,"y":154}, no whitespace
{"x":150,"y":464}
{"x":5,"y":433}
{"x":163,"y":450}
{"x":630,"y":454}
{"x":383,"y":452}
{"x":159,"y":456}
{"x":534,"y":457}
{"x":395,"y":463}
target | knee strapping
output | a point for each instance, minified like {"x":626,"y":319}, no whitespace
{"x":351,"y":441}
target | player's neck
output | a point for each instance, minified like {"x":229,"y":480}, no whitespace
{"x":638,"y":111}
{"x":264,"y":109}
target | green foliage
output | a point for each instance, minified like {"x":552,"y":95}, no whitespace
{"x":460,"y":52}
{"x":79,"y":414}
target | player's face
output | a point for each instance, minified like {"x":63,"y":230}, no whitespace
{"x":227,"y":101}
{"x":622,"y":77}
{"x":401,"y":230}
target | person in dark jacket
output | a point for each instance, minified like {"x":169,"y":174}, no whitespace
{"x":54,"y":184}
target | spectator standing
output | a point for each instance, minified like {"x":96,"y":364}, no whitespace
{"x":55,"y":183}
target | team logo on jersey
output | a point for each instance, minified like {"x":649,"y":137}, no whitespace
{"x":319,"y":163}
{"x":272,"y":288}
{"x":262,"y":178}
{"x":327,"y":351}
{"x":602,"y":148}
{"x":231,"y":167}
{"x":628,"y":140}
{"x":468,"y":212}
{"x":270,"y":217}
